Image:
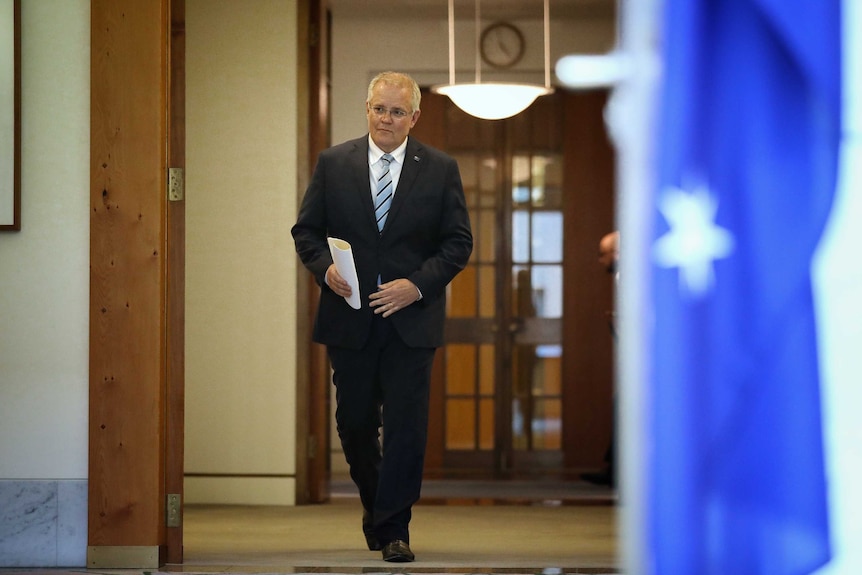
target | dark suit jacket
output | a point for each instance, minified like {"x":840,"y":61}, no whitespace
{"x":427,"y":239}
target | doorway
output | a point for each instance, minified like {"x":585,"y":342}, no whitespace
{"x":523,"y":384}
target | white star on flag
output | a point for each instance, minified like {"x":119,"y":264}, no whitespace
{"x":693,"y":242}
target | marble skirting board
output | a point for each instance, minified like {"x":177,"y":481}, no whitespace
{"x":43,"y":523}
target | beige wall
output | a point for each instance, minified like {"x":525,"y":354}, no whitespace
{"x":44,"y":299}
{"x":241,"y":270}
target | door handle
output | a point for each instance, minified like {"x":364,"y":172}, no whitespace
{"x":516,"y":325}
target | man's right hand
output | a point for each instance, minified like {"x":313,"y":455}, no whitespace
{"x":337,"y":283}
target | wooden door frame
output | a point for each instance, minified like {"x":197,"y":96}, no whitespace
{"x":176,"y":265}
{"x":136,"y":283}
{"x":312,"y":365}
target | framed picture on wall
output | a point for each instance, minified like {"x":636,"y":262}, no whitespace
{"x":10,"y":115}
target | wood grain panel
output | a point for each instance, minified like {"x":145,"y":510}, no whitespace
{"x":128,"y":141}
{"x":588,"y":204}
{"x":312,"y":371}
{"x":176,"y":285}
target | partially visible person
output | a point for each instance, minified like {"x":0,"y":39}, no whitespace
{"x":609,"y":254}
{"x":400,"y":205}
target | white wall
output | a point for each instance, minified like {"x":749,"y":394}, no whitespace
{"x":240,"y":261}
{"x":44,"y":299}
{"x":44,"y":306}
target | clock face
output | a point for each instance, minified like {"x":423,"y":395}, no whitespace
{"x":502,"y":45}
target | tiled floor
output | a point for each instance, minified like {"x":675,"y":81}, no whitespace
{"x":540,"y":529}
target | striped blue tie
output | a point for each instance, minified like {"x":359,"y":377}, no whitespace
{"x":383,"y":198}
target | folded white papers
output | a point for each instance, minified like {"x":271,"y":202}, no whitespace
{"x":342,"y":256}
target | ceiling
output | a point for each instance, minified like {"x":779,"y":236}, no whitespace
{"x":489,"y":9}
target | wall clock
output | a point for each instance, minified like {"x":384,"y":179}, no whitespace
{"x":501,"y":45}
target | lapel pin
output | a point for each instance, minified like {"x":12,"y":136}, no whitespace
{"x":415,"y":158}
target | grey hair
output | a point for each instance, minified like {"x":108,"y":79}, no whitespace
{"x":399,"y":80}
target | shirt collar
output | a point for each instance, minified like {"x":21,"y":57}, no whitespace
{"x":374,"y":153}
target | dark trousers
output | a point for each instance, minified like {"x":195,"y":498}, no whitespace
{"x":385,"y":383}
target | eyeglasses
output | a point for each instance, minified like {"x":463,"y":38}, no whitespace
{"x":395,"y":113}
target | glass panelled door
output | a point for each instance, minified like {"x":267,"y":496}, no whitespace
{"x":470,"y":404}
{"x":536,"y":278}
{"x":502,"y":366}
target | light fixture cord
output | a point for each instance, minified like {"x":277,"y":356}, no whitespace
{"x":451,"y":41}
{"x":547,"y":46}
{"x":478,"y":54}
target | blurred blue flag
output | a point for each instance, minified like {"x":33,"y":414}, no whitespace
{"x":747,"y":156}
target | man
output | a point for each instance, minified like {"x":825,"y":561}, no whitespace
{"x":609,"y":252}
{"x":609,"y":255}
{"x":400,"y":205}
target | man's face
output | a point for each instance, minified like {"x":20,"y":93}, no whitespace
{"x":609,"y":252}
{"x":387,"y":103}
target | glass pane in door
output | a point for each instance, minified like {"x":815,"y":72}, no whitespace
{"x":469,"y":414}
{"x":537,"y":303}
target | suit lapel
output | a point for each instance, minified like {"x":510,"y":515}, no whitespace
{"x":413,"y":157}
{"x":359,"y":175}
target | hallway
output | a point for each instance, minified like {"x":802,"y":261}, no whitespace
{"x":458,"y":527}
{"x":446,"y":539}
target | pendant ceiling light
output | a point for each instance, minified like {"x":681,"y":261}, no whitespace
{"x":492,"y":100}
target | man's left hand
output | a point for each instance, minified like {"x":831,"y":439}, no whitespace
{"x":393,"y":296}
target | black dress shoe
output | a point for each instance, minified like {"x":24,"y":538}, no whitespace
{"x":397,"y":552}
{"x":368,"y":530}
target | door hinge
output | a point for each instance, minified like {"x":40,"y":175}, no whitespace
{"x":176,"y":185}
{"x":312,"y":447}
{"x":173,"y":510}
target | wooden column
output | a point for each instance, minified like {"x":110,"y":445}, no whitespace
{"x":176,"y":288}
{"x":128,"y":241}
{"x":312,"y":370}
{"x":587,"y":289}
